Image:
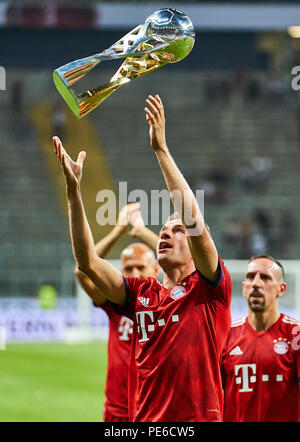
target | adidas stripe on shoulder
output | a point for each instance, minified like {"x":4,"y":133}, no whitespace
{"x":289,"y":320}
{"x":238,"y":322}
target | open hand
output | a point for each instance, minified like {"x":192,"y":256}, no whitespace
{"x":155,"y":117}
{"x":71,"y":170}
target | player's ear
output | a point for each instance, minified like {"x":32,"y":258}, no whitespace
{"x":282,"y":289}
{"x":243,"y":285}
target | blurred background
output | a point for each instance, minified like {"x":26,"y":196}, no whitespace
{"x":233,"y":128}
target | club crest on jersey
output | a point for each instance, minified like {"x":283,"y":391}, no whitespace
{"x":177,"y":292}
{"x":281,"y":347}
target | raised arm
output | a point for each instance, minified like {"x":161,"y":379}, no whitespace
{"x":106,"y":277}
{"x":102,"y":248}
{"x":90,"y":288}
{"x":202,"y":247}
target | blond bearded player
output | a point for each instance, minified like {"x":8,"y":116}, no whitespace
{"x":137,"y":260}
{"x":180,"y":327}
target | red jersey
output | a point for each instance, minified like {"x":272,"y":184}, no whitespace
{"x":177,"y":340}
{"x":261,"y":372}
{"x":119,"y":343}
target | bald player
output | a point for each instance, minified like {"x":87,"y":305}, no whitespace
{"x":261,"y":359}
{"x":138,"y":260}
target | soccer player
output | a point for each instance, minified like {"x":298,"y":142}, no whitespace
{"x":180,"y":327}
{"x":138,"y":260}
{"x":261,"y":360}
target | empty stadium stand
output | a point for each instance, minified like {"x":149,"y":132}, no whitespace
{"x":205,"y":133}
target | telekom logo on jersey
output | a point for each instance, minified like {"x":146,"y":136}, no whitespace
{"x":125,"y":328}
{"x":141,"y":320}
{"x":246,"y":375}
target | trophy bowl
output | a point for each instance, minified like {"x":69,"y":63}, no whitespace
{"x":175,"y":29}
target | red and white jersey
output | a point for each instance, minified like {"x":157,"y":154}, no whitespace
{"x":118,"y":348}
{"x":261,"y":372}
{"x":177,"y":347}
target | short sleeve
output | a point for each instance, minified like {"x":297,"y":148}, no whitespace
{"x":107,"y":307}
{"x":222,"y":289}
{"x":132,"y":286}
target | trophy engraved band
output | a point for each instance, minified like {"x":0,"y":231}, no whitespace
{"x":167,"y":36}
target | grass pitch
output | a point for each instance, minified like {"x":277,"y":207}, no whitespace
{"x":52,"y":382}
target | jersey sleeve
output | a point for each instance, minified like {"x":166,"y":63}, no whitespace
{"x":222,"y":289}
{"x":108,"y":307}
{"x":133,"y":287}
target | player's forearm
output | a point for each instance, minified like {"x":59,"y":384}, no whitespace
{"x":89,"y":287}
{"x":202,"y":247}
{"x":104,"y":246}
{"x":81,"y":235}
{"x":105,"y":277}
{"x":146,"y":236}
{"x":184,"y":200}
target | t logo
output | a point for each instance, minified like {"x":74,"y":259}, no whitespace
{"x":125,"y":328}
{"x":244,"y":378}
{"x":140,"y":318}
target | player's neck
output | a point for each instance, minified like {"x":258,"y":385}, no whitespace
{"x":174,"y":275}
{"x":262,"y":321}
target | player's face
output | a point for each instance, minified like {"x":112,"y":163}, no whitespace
{"x":263,"y":284}
{"x":173,"y":247}
{"x":139,"y":264}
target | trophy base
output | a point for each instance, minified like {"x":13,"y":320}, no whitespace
{"x":66,"y":94}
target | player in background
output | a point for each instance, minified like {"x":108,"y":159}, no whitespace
{"x":180,"y":327}
{"x":137,"y":260}
{"x":261,"y":359}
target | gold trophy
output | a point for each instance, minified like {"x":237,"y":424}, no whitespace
{"x":167,"y":36}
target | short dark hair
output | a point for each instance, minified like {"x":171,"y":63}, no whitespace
{"x":253,"y":258}
{"x":175,"y":215}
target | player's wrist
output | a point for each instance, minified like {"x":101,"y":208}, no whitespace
{"x":73,"y":191}
{"x":120,"y":229}
{"x":161,"y":149}
{"x":135,"y":232}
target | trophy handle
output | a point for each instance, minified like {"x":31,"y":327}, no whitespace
{"x":82,"y":104}
{"x":65,"y":76}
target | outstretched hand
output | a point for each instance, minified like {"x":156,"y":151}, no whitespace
{"x":155,"y":117}
{"x":72,"y":170}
